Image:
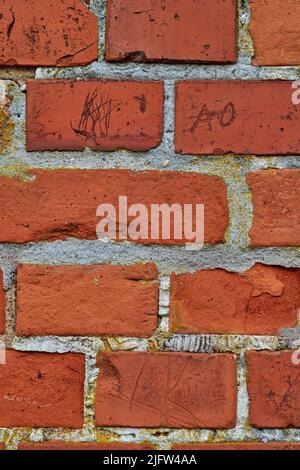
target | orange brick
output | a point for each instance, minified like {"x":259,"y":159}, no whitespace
{"x":60,"y":33}
{"x":72,"y":115}
{"x":276,"y":207}
{"x":260,"y":301}
{"x":172,"y":30}
{"x":41,"y":390}
{"x":240,"y":117}
{"x":275,"y":32}
{"x":273,"y":386}
{"x":87,"y":300}
{"x":65,"y":202}
{"x":176,"y":390}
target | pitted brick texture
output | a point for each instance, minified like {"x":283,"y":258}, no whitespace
{"x":66,"y":202}
{"x":276,"y":207}
{"x":72,"y":115}
{"x":59,"y":33}
{"x":171,"y":30}
{"x":261,"y":301}
{"x":240,"y":117}
{"x":273,"y":386}
{"x":87,"y":300}
{"x":41,"y":390}
{"x":166,"y":390}
{"x":275,"y":32}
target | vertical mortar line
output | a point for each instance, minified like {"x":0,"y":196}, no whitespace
{"x":99,"y":8}
{"x":242,"y":395}
{"x":10,"y":285}
{"x":164,"y":304}
{"x":239,"y":205}
{"x":168,"y":143}
{"x":91,"y":374}
{"x":244,"y":40}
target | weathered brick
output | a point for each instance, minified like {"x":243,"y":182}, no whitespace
{"x":275,"y":32}
{"x":241,"y":446}
{"x":103,"y":115}
{"x":2,"y":305}
{"x":57,"y":32}
{"x":174,"y":390}
{"x":276,"y":207}
{"x":241,"y":117}
{"x":87,"y":300}
{"x":172,"y":30}
{"x":57,"y":445}
{"x":273,"y":386}
{"x":41,"y":390}
{"x":260,"y":301}
{"x":65,"y":201}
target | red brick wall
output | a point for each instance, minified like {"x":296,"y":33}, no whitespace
{"x":145,"y":342}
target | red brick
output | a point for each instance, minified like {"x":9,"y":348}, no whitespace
{"x":276,"y":207}
{"x":261,"y":301}
{"x":273,"y":386}
{"x":2,"y":446}
{"x":87,"y":300}
{"x":72,"y":115}
{"x":172,"y":30}
{"x":219,"y":117}
{"x":2,"y":305}
{"x":57,"y":32}
{"x":174,"y":390}
{"x":56,"y":445}
{"x":65,"y":201}
{"x":241,"y":446}
{"x":41,"y":390}
{"x":275,"y":32}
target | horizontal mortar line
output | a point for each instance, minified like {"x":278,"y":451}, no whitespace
{"x":168,"y":71}
{"x":74,"y":251}
{"x":150,"y":433}
{"x":151,"y":161}
{"x":225,"y":343}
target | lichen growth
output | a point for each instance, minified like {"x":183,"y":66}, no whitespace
{"x":17,"y":170}
{"x":7,"y":128}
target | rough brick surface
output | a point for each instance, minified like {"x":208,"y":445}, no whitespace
{"x":2,"y":305}
{"x":275,"y":32}
{"x":41,"y":390}
{"x":72,"y":115}
{"x":241,"y":446}
{"x":166,"y":390}
{"x":65,"y":201}
{"x":87,"y":300}
{"x":261,"y":301}
{"x":276,"y":207}
{"x":273,"y":386}
{"x":56,"y":32}
{"x":172,"y":30}
{"x":82,"y":446}
{"x":219,"y":117}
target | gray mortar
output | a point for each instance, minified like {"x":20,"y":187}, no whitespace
{"x":235,"y":255}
